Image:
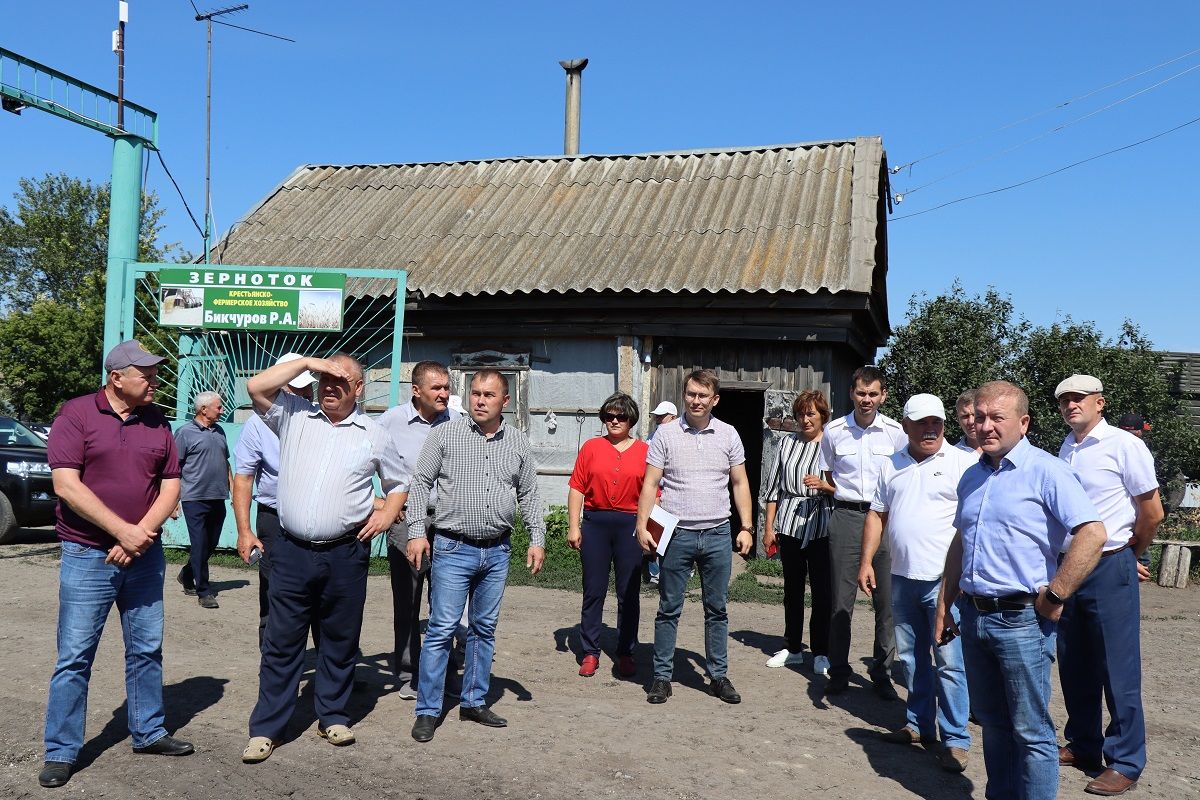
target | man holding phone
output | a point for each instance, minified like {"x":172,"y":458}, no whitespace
{"x":915,"y":502}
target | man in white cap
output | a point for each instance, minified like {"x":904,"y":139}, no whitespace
{"x":1099,"y":653}
{"x":915,"y":502}
{"x":257,"y":465}
{"x":663,"y":413}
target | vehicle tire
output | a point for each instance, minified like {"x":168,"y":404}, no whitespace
{"x":8,"y":521}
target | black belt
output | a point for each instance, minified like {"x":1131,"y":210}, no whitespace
{"x":458,"y":537}
{"x":1010,"y":602}
{"x":1108,"y":553}
{"x":265,"y":509}
{"x":853,"y":506}
{"x":324,"y":544}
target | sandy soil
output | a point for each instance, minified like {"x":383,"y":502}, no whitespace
{"x":568,"y":737}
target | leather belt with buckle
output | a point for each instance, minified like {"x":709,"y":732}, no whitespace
{"x":1009,"y":602}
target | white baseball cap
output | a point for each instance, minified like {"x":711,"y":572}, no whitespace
{"x":1079,"y":384}
{"x":922,"y":406}
{"x":665,"y":407}
{"x":303,"y":379}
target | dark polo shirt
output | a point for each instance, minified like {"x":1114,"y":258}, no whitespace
{"x":203,"y":462}
{"x":121,"y":461}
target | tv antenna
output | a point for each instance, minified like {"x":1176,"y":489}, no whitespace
{"x":209,"y":17}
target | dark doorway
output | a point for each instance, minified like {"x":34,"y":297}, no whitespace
{"x":743,"y":409}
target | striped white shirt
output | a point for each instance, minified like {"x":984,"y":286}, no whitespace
{"x":325,"y":485}
{"x":801,"y":512}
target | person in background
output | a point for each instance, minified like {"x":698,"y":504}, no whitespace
{"x":204,"y":488}
{"x":1133,"y":423}
{"x":1099,"y":641}
{"x":663,"y":413}
{"x":964,"y":411}
{"x":602,"y":514}
{"x":798,"y":506}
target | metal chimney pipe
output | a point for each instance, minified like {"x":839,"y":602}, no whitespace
{"x":574,"y":70}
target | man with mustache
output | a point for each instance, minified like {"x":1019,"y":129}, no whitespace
{"x":915,"y":502}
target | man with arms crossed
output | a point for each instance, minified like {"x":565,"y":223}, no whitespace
{"x":483,"y":469}
{"x":1015,"y":508}
{"x":1099,"y":642}
{"x":915,"y":501}
{"x":697,"y":458}
{"x":116,"y":474}
{"x":329,"y":454}
{"x":409,"y":425}
{"x":853,"y":451}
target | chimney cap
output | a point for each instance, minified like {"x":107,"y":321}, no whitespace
{"x":575,"y":64}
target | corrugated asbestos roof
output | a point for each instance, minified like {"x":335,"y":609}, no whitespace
{"x":798,"y":217}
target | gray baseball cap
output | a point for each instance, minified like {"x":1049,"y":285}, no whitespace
{"x":130,"y":354}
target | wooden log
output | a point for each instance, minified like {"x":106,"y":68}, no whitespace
{"x":1174,"y":567}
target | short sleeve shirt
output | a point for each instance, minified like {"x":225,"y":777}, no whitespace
{"x":695,"y":464}
{"x":609,"y":479}
{"x":1115,"y":466}
{"x":203,"y":462}
{"x":257,"y":454}
{"x":123,"y":462}
{"x":854,"y":455}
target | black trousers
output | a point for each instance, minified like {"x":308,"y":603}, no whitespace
{"x":326,"y":586}
{"x":267,"y":525}
{"x":407,"y":585}
{"x":204,"y":520}
{"x":609,"y":543}
{"x":811,"y":563}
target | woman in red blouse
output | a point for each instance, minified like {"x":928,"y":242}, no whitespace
{"x":601,"y":510}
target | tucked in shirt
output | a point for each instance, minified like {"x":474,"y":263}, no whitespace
{"x":853,"y":455}
{"x":921,"y":498}
{"x":695,"y":464}
{"x":326,"y":468}
{"x":203,"y":462}
{"x":1014,"y":519}
{"x":257,"y":454}
{"x":609,"y":479}
{"x":409,"y":430}
{"x":123,"y":462}
{"x":481,"y":480}
{"x":1115,"y":466}
{"x":800,"y":512}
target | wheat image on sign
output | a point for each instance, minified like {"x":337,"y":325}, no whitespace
{"x":320,"y":310}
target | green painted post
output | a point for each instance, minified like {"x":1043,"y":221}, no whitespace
{"x":124,"y":226}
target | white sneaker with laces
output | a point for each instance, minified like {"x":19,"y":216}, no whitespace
{"x":785,"y":657}
{"x":821,"y":665}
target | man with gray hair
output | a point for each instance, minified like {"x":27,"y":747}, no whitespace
{"x":204,"y":488}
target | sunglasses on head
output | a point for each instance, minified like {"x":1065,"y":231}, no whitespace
{"x":614,"y":418}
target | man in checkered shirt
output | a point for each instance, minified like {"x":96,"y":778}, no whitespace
{"x":483,"y":469}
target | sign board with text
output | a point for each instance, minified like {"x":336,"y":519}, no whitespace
{"x":220,"y":297}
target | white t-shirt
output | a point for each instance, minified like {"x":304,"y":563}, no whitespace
{"x":920,"y":499}
{"x":853,"y":455}
{"x":1115,"y":466}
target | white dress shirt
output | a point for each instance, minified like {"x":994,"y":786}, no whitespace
{"x":854,"y":455}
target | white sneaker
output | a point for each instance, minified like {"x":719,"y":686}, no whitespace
{"x":785,"y":657}
{"x":821,"y":665}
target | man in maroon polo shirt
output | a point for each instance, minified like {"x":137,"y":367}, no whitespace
{"x":116,"y":473}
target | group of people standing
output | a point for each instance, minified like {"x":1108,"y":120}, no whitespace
{"x":975,"y":556}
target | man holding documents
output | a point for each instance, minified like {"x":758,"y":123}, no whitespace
{"x":696,"y":458}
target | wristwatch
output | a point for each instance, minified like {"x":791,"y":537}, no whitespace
{"x":746,"y":528}
{"x":1053,"y":597}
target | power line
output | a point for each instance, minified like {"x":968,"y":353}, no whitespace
{"x":1028,"y":181}
{"x":1023,"y":120}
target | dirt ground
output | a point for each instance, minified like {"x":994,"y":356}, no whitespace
{"x":568,"y":737}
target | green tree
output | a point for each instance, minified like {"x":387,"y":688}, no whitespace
{"x":53,"y":256}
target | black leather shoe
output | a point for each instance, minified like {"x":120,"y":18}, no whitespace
{"x":483,"y":715}
{"x":884,"y":689}
{"x":660,"y":690}
{"x":54,"y":773}
{"x":167,"y":746}
{"x":837,"y":684}
{"x":189,"y":587}
{"x":208,"y":601}
{"x":723,"y":689}
{"x":424,"y":727}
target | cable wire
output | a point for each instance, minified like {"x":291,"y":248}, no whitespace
{"x":179,"y":192}
{"x":1052,"y":172}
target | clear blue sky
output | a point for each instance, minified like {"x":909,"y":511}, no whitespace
{"x":371,"y":82}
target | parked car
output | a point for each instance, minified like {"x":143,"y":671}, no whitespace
{"x":26,"y":490}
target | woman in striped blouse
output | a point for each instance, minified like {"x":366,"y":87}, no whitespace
{"x":798,"y":504}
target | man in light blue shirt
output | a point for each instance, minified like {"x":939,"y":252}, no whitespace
{"x":1015,"y":509}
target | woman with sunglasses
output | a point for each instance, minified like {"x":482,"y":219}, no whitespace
{"x":798,"y":509}
{"x":601,"y":513}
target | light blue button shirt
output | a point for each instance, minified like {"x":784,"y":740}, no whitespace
{"x":1014,"y":520}
{"x":409,"y":431}
{"x":257,"y":454}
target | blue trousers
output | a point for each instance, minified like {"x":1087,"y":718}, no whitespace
{"x":322,"y":586}
{"x":711,"y":550}
{"x":88,"y":589}
{"x":1100,"y":660}
{"x":609,"y":543}
{"x":204,"y":520}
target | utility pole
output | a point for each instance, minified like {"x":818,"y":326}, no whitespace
{"x":119,"y":49}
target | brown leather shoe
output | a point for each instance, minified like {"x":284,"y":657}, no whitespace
{"x":905,"y":735}
{"x":1110,"y":783}
{"x":1068,"y":758}
{"x":953,"y":759}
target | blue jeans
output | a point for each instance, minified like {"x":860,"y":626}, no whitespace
{"x":937,"y":697}
{"x":461,"y":570}
{"x":1008,"y":656}
{"x":711,"y":550}
{"x":87,"y":590}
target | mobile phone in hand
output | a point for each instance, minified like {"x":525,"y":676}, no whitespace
{"x":947,"y":636}
{"x":255,"y":556}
